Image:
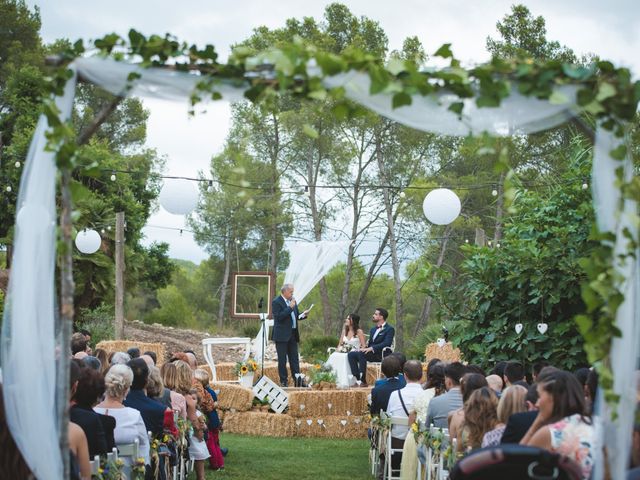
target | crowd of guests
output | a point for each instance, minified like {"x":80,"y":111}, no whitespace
{"x":120,"y":397}
{"x":552,"y":410}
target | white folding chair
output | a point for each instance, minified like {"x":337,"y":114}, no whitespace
{"x":389,"y":472}
{"x":378,"y":365}
{"x":132,"y":451}
{"x":95,"y":465}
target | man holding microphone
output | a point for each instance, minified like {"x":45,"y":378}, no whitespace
{"x":285,"y":331}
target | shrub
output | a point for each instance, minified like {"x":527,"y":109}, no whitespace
{"x":314,"y":348}
{"x":98,"y":321}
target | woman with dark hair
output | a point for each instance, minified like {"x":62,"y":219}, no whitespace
{"x":480,"y":417}
{"x":563,"y":424}
{"x":469,"y":383}
{"x":98,"y":428}
{"x":352,"y":339}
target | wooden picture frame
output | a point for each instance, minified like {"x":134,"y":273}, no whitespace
{"x":246,"y":290}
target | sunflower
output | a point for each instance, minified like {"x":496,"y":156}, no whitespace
{"x":243,"y":369}
{"x":254,"y":365}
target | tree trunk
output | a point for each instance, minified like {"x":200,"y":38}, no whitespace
{"x":426,"y":308}
{"x":225,"y":282}
{"x":497,"y":235}
{"x":120,"y":266}
{"x":395,"y":264}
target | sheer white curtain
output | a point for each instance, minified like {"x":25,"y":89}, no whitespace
{"x":308,"y":263}
{"x":30,"y":301}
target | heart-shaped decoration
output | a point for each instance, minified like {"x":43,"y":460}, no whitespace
{"x":301,"y":406}
{"x":298,"y":422}
{"x":441,"y":342}
{"x":233,"y":410}
{"x":518,"y":328}
{"x":356,"y":420}
{"x":320,"y":421}
{"x":343,"y":422}
{"x":329,"y":405}
{"x":542,"y":328}
{"x":348,"y":413}
{"x":309,"y":422}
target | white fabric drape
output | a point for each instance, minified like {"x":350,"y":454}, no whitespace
{"x":308,"y":263}
{"x":28,"y":329}
{"x":29,"y":310}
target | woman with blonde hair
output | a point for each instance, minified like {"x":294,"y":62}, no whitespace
{"x":169,"y":375}
{"x":480,"y":416}
{"x":129,"y":423}
{"x":513,"y":400}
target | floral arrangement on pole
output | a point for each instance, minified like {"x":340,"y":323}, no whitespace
{"x":245,"y":367}
{"x":322,"y":377}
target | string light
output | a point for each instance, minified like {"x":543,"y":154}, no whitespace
{"x":585,"y":185}
{"x":113,"y":177}
{"x":402,"y":194}
{"x":17,"y":164}
{"x":8,"y":189}
{"x":494,"y":192}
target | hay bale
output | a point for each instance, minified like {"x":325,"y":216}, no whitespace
{"x":271,"y":371}
{"x":224,"y":371}
{"x":123,"y":345}
{"x":316,"y":403}
{"x":446,"y":353}
{"x":259,"y":424}
{"x":332,"y":426}
{"x":234,"y":397}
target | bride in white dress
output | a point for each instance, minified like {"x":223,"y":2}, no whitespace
{"x":352,"y":338}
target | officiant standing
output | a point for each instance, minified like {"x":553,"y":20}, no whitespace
{"x":286,"y":334}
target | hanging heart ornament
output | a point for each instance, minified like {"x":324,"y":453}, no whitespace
{"x":518,"y":328}
{"x":441,"y":342}
{"x":343,"y":422}
{"x":542,"y":328}
{"x":309,"y":422}
{"x":301,"y":406}
{"x":298,"y":422}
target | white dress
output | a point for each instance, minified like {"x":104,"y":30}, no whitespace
{"x":339,"y":362}
{"x":198,"y":448}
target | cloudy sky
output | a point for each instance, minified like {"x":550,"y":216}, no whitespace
{"x":610,"y":29}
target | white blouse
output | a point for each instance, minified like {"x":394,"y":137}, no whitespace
{"x":129,"y":426}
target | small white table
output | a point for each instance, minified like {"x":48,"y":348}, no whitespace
{"x":207,"y":350}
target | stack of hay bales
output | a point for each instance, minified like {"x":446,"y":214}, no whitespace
{"x":111,"y":346}
{"x":233,"y":397}
{"x":259,"y":424}
{"x":446,"y":353}
{"x":329,"y":413}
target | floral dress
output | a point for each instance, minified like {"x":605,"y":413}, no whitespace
{"x":574,"y":438}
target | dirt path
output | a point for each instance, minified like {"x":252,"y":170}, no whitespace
{"x":178,"y":340}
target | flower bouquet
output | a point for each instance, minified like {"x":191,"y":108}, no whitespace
{"x":245,"y":370}
{"x":345,"y":348}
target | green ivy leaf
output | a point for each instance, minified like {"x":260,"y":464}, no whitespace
{"x":444,"y":51}
{"x":619,"y":153}
{"x":400,"y":99}
{"x":456,"y":107}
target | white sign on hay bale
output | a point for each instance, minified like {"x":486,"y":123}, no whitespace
{"x":269,"y":390}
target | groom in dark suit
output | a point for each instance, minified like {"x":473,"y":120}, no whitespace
{"x":380,"y":337}
{"x":285,"y":331}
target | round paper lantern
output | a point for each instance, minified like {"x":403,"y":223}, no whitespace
{"x":179,"y":197}
{"x":88,"y":241}
{"x":441,"y":206}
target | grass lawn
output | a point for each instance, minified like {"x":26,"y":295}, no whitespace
{"x":266,"y":458}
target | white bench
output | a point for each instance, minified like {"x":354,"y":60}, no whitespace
{"x":209,"y":343}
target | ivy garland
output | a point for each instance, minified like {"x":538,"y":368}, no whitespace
{"x":605,"y":92}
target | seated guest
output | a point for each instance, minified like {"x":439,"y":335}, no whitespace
{"x":79,"y":344}
{"x":97,"y":428}
{"x":79,"y":464}
{"x":402,"y":359}
{"x":469,"y":383}
{"x":119,"y":358}
{"x":92,"y":362}
{"x":513,"y":372}
{"x":537,"y":368}
{"x":495,"y":383}
{"x":380,"y":337}
{"x":480,"y":417}
{"x":563,"y":424}
{"x":216,"y":458}
{"x":133,"y":352}
{"x":129,"y":423}
{"x":151,"y":410}
{"x":499,"y":370}
{"x":512,"y":401}
{"x":156,"y":388}
{"x":151,"y":355}
{"x":440,"y":407}
{"x":401,"y":405}
{"x":169,"y":378}
{"x":475,"y":369}
{"x":12,"y":463}
{"x":432,"y":388}
{"x":380,"y":393}
{"x":518,"y":423}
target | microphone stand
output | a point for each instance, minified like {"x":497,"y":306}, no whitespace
{"x":263,"y":318}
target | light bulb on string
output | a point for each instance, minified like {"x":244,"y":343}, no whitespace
{"x":494,"y":192}
{"x":8,"y":189}
{"x":466,"y":240}
{"x":17,"y":164}
{"x":497,"y":245}
{"x":402,"y":194}
{"x":113,"y":177}
{"x":585,"y":185}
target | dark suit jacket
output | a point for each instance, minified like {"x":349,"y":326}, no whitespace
{"x":282,"y":328}
{"x":93,"y":428}
{"x":384,"y":339}
{"x":381,"y":393}
{"x":151,"y":410}
{"x":517,"y":426}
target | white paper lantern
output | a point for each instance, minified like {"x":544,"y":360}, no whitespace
{"x":179,"y":197}
{"x":441,"y":206}
{"x":88,"y":241}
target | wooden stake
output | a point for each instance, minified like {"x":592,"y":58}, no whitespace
{"x":120,"y":267}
